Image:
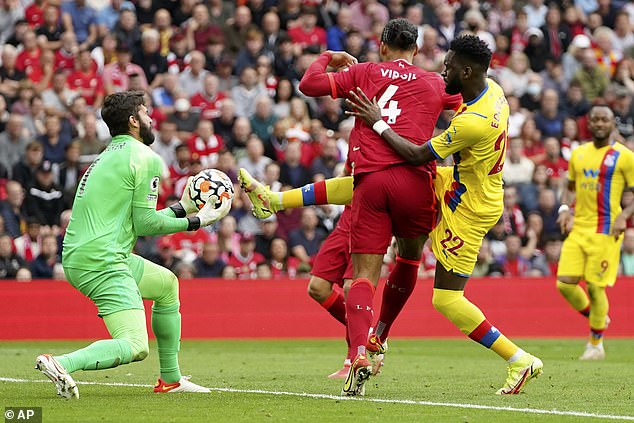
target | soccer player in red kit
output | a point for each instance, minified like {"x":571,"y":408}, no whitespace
{"x":383,"y":204}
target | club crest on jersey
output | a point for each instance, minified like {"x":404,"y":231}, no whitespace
{"x":154,"y":184}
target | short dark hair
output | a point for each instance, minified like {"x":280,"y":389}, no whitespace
{"x":473,"y":49}
{"x":117,"y":109}
{"x":400,"y":34}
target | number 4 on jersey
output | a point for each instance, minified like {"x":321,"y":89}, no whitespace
{"x":392,"y":111}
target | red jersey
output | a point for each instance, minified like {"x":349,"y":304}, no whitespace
{"x":411,"y":100}
{"x":209,"y":108}
{"x":280,"y":270}
{"x":189,"y":240}
{"x":556,"y":169}
{"x":27,"y":60}
{"x":317,"y":36}
{"x":205,"y":150}
{"x":246,"y":267}
{"x":64,"y":61}
{"x":88,"y":85}
{"x":34,"y":15}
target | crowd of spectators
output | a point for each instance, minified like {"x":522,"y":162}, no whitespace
{"x":221,"y":80}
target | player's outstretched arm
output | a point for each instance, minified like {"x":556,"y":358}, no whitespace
{"x":370,"y":113}
{"x":620,"y":223}
{"x":148,"y":221}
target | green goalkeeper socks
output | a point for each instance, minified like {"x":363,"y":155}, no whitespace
{"x":166,"y":325}
{"x":99,"y":355}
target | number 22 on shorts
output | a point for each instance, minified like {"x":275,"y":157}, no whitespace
{"x":455,"y":240}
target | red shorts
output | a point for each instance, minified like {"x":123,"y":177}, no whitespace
{"x":397,"y":201}
{"x":333,"y":262}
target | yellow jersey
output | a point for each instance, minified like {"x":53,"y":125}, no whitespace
{"x":600,"y":176}
{"x":476,"y":137}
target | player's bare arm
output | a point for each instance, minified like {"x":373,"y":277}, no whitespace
{"x":370,"y":112}
{"x":620,"y":223}
{"x":565,"y":217}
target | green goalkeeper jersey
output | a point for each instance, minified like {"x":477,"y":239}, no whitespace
{"x":101,"y":233}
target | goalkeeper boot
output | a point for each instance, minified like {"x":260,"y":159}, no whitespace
{"x":183,"y":385}
{"x":341,"y":373}
{"x":520,"y":373}
{"x":376,"y":353}
{"x":265,"y":202}
{"x":359,"y":373}
{"x":593,"y":352}
{"x":52,"y":369}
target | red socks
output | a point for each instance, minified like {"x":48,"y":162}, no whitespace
{"x":359,"y":312}
{"x":398,"y":288}
{"x":336,"y":306}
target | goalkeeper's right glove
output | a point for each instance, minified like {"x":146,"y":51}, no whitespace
{"x":209,"y":214}
{"x":186,"y":201}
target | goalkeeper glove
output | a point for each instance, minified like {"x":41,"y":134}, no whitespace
{"x":209,"y":215}
{"x":186,"y":201}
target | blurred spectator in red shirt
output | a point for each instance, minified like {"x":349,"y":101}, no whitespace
{"x":86,"y":81}
{"x":204,"y":144}
{"x":282,"y":265}
{"x":246,"y":260}
{"x":307,"y":33}
{"x":557,"y":166}
{"x":208,"y":101}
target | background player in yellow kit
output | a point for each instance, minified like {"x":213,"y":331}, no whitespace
{"x":598,"y":174}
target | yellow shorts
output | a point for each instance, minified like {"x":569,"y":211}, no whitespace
{"x":591,"y":256}
{"x":457,"y":238}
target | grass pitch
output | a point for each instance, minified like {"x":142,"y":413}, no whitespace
{"x":423,"y":380}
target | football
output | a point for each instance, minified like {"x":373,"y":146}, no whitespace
{"x":210,"y":185}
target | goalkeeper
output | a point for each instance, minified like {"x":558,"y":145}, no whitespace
{"x":116,"y":202}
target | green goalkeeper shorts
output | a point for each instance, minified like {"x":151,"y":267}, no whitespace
{"x":112,"y":290}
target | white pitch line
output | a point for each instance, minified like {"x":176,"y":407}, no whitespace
{"x":376,"y":400}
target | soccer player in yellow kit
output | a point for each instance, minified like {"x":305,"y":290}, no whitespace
{"x":598,"y":174}
{"x":470,"y":193}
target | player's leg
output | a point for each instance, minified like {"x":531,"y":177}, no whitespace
{"x":160,"y":285}
{"x":412,"y":217}
{"x":330,"y":299}
{"x":571,"y":267}
{"x":359,"y":312}
{"x":370,"y":235}
{"x":117,"y":297}
{"x":597,"y":319}
{"x":400,"y":284}
{"x":333,"y":266}
{"x":456,"y":245}
{"x":266,"y":202}
{"x":449,"y":299}
{"x":600,"y":272}
{"x":129,"y":343}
